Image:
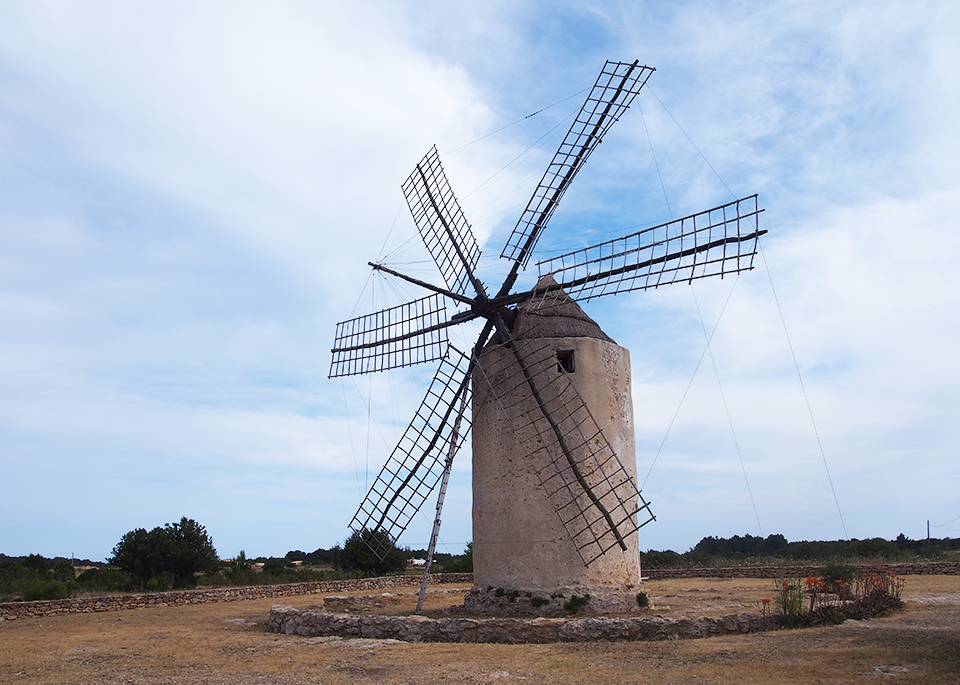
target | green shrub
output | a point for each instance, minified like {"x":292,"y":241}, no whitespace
{"x":838,"y":576}
{"x":45,"y":589}
{"x":63,"y":571}
{"x":103,"y":580}
{"x":871,"y":594}
{"x":462,"y":563}
{"x":789,"y":597}
{"x":538,"y":601}
{"x":642,"y":600}
{"x":576,"y":603}
{"x":372,"y":552}
{"x":37,"y":563}
{"x":178,"y":551}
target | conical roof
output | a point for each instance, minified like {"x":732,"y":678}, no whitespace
{"x":554,"y":314}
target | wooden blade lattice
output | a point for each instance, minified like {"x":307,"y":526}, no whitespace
{"x":411,"y":333}
{"x":595,"y":497}
{"x":441,"y":222}
{"x":716,"y":242}
{"x":614,"y":91}
{"x":416,"y":463}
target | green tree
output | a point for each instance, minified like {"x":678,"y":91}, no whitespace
{"x":64,"y":571}
{"x":138,"y":554}
{"x":358,"y":554}
{"x":190,"y":550}
{"x":37,"y":563}
{"x":462,"y":563}
{"x":173,"y":554}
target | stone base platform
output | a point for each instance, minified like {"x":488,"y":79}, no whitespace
{"x":560,"y":602}
{"x":293,"y":621}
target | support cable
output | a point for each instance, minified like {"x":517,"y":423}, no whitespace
{"x":943,"y":525}
{"x":803,"y":388}
{"x":655,"y":162}
{"x":782,"y":321}
{"x":691,"y":142}
{"x":687,"y":390}
{"x":353,"y":451}
{"x":723,"y":397}
{"x":504,"y":128}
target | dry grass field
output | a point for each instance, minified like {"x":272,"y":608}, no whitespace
{"x":227,"y":643}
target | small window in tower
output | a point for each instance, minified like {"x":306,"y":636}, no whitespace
{"x":565,"y":361}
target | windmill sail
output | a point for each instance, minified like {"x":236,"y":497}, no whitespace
{"x":614,"y":91}
{"x":410,"y":333}
{"x":719,"y":241}
{"x":441,"y":222}
{"x":416,"y":464}
{"x":595,"y":497}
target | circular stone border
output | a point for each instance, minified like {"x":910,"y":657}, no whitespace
{"x":294,"y":621}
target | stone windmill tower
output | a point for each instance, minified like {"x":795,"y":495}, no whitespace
{"x":523,"y":540}
{"x":554,"y":440}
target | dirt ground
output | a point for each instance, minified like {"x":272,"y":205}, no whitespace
{"x":228,"y":643}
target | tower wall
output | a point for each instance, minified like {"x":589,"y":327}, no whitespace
{"x":518,"y":539}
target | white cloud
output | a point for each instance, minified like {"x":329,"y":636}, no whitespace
{"x":190,"y":195}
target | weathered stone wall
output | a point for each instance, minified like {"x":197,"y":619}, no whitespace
{"x":84,"y":605}
{"x":292,"y":621}
{"x":931,"y":568}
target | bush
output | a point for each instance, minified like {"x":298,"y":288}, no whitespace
{"x":371,"y":552}
{"x":103,"y":580}
{"x":37,"y":563}
{"x":462,"y":563}
{"x":171,"y":555}
{"x":838,"y":576}
{"x":871,"y":594}
{"x":63,"y":571}
{"x":45,"y":589}
{"x":576,"y":603}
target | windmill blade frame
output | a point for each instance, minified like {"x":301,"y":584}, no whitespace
{"x":715,"y":242}
{"x":611,"y":95}
{"x":408,"y":334}
{"x":441,"y":222}
{"x":416,"y":464}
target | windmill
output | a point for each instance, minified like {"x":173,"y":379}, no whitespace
{"x":592,"y":493}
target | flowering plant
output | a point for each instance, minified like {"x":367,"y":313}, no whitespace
{"x":832,"y":600}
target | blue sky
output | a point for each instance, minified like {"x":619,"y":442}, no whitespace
{"x":190,"y":195}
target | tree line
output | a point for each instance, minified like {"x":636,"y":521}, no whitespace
{"x":714,"y":551}
{"x":182,"y":554}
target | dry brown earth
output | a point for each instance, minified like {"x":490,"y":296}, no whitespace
{"x":227,"y":643}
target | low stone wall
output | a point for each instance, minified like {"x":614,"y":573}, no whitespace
{"x":83,"y":605}
{"x":292,"y":621}
{"x":933,"y":568}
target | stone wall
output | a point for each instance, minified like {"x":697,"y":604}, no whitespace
{"x":292,"y":621}
{"x":933,"y":568}
{"x":84,"y":605}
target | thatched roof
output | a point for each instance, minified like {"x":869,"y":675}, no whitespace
{"x":554,"y":315}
